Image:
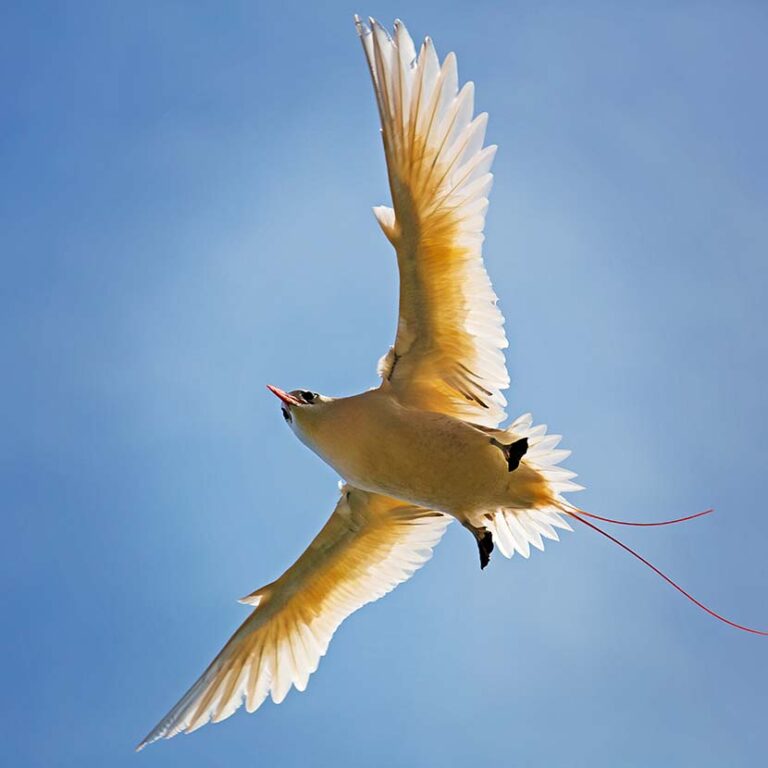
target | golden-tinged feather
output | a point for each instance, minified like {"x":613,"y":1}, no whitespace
{"x":447,"y":354}
{"x":370,"y":544}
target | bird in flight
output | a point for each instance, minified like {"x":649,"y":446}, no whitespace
{"x":425,"y":447}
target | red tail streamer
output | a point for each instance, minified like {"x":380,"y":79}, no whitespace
{"x":667,"y":579}
{"x":645,"y":525}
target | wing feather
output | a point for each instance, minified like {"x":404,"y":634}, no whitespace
{"x":369,"y":545}
{"x":447,"y":354}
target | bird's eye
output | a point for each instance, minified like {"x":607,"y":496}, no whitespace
{"x":307,"y":396}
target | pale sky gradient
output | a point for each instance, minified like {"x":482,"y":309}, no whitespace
{"x":185,"y":216}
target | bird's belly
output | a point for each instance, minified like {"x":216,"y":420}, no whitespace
{"x":424,"y":459}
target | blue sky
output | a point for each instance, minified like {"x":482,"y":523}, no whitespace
{"x":185,"y":216}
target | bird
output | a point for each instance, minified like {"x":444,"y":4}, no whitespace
{"x":426,"y":446}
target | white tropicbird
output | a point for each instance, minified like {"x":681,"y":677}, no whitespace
{"x":424,"y":447}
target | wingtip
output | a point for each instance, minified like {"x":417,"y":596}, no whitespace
{"x":363,"y":29}
{"x":154,"y":735}
{"x":376,"y":25}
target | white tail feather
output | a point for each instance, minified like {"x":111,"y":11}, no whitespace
{"x":516,"y":530}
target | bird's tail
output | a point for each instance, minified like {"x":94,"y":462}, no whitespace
{"x":516,"y":530}
{"x":581,"y":516}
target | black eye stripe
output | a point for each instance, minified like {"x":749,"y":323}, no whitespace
{"x":307,"y":396}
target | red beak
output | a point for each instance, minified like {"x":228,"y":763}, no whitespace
{"x":286,"y":397}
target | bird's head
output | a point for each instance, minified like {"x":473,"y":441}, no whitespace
{"x":299,"y":406}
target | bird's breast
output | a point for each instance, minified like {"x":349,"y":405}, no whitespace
{"x":421,"y":457}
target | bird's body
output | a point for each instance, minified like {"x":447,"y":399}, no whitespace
{"x":422,"y":457}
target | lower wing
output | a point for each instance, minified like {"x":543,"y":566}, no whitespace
{"x":369,"y":545}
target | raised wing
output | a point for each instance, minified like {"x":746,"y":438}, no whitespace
{"x":448,"y":351}
{"x":369,"y":545}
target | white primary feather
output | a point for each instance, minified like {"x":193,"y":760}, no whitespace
{"x":369,"y":545}
{"x":448,"y":352}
